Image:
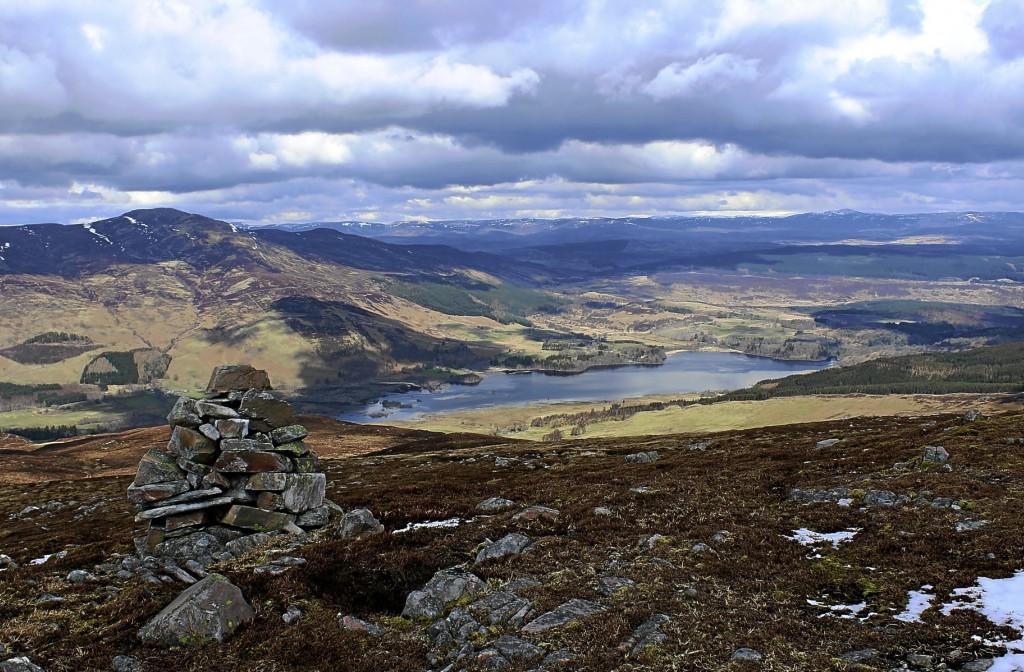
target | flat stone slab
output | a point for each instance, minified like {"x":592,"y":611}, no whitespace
{"x":156,"y":466}
{"x":264,"y":406}
{"x":267,"y":480}
{"x":146,"y":494}
{"x":445,"y":587}
{"x":304,"y":492}
{"x":540,"y":514}
{"x":253,"y":518}
{"x":283,"y":435}
{"x":215,"y":411}
{"x":211,"y":609}
{"x":191,"y":445}
{"x":566,"y":613}
{"x":164,"y":511}
{"x":511,"y":544}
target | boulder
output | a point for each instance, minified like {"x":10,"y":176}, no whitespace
{"x":213,"y":411}
{"x":515,"y":648}
{"x":540,"y":514}
{"x":267,"y":480}
{"x":238,"y":377}
{"x":211,"y":609}
{"x":209,"y":431}
{"x":444,"y":588}
{"x":307,"y":464}
{"x":357,"y":523}
{"x":146,"y":494}
{"x":510,"y":544}
{"x":643,"y":458}
{"x":19,"y":664}
{"x":174,"y":509}
{"x":935,"y":455}
{"x":495,"y":504}
{"x":317,"y":517}
{"x":648,"y":634}
{"x":353,"y":624}
{"x":747,"y":654}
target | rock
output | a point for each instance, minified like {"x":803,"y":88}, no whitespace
{"x":602,"y":511}
{"x":214,"y":411}
{"x":700,"y":445}
{"x":294,"y":449}
{"x":445,"y":587}
{"x":287,"y":434}
{"x":491,"y":659}
{"x":517,"y":649}
{"x":212,"y":609}
{"x":501,"y":606}
{"x":163,"y":511}
{"x":199,"y":546}
{"x":146,"y":494}
{"x":643,"y":458}
{"x":456,"y":628}
{"x":232,"y":428}
{"x":810,"y":496}
{"x":183,"y":520}
{"x":253,"y":518}
{"x":267,"y":480}
{"x":157,"y":466}
{"x":357,"y":523}
{"x":307,"y":464}
{"x":209,"y":431}
{"x":7,"y":562}
{"x":540,"y":514}
{"x":701,"y":547}
{"x":238,"y":377}
{"x":935,"y":455}
{"x":292,"y":613}
{"x":268,"y":501}
{"x":495,"y":504}
{"x":826,"y":443}
{"x":979,"y":665}
{"x":317,"y":517}
{"x":970,"y":525}
{"x":920,"y":660}
{"x":304,"y":492}
{"x":125,"y":664}
{"x":184,"y":414}
{"x":747,"y":654}
{"x":648,"y":634}
{"x":81,"y":576}
{"x":19,"y":664}
{"x":265,"y":407}
{"x":941,"y":503}
{"x":511,"y":544}
{"x":609,"y":585}
{"x":250,"y":461}
{"x":654,"y":540}
{"x":859,"y":654}
{"x":560,"y":660}
{"x":241,"y":546}
{"x":972,"y":415}
{"x":883,"y":498}
{"x":570,"y":611}
{"x":353,"y":624}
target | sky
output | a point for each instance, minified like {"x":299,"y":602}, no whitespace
{"x":258,"y":111}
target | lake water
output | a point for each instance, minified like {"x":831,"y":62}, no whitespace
{"x":681,"y":373}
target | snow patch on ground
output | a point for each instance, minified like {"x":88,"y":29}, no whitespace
{"x":450,"y":522}
{"x":917,"y":602}
{"x":844,"y":611}
{"x":1002,"y":602}
{"x":97,"y":233}
{"x":807,"y":537}
{"x":136,"y":222}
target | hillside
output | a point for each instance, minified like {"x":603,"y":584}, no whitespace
{"x":708,"y":541}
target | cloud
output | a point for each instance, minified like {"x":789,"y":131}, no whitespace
{"x":437,"y":108}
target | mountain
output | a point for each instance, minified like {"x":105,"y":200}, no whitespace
{"x":199,"y":290}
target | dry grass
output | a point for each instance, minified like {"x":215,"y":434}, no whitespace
{"x":752,"y":591}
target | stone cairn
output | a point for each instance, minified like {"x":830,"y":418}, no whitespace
{"x":235,"y":465}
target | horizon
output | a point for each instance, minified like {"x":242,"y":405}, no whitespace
{"x":418,"y":110}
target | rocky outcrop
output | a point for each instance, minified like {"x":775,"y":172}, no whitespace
{"x":236,"y":464}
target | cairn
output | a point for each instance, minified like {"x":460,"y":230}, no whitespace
{"x":235,"y":465}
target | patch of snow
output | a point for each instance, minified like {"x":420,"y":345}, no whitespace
{"x":450,"y":522}
{"x":844,"y":611}
{"x":917,"y":602}
{"x":807,"y":537}
{"x":845,"y":501}
{"x":136,"y":222}
{"x":1002,"y":602}
{"x":42,"y":560}
{"x":234,"y":229}
{"x":97,"y":233}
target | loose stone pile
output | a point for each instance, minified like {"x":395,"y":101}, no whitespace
{"x":235,"y":465}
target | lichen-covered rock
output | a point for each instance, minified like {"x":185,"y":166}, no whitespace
{"x":445,"y":587}
{"x":251,"y":462}
{"x":283,"y":435}
{"x":566,"y":613}
{"x":156,"y":466}
{"x":19,"y":664}
{"x":214,"y":411}
{"x":265,"y":407}
{"x":147,"y":494}
{"x":184,"y":414}
{"x":211,"y":609}
{"x":495,"y":504}
{"x":191,"y":445}
{"x":358,"y":522}
{"x":511,"y":544}
{"x":643,"y":458}
{"x":540,"y":514}
{"x":238,"y":377}
{"x":252,"y":518}
{"x":304,"y":492}
{"x":232,"y":428}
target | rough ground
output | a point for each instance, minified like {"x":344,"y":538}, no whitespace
{"x":746,"y":588}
